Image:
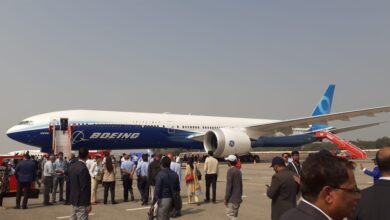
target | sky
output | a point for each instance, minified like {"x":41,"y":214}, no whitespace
{"x":258,"y":59}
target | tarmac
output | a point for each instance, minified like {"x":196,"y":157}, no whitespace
{"x":255,"y":205}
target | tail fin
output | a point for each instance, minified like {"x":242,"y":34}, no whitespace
{"x":323,"y":107}
{"x":325,"y":104}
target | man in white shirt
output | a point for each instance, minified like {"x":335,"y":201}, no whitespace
{"x":48,"y":174}
{"x":211,"y":176}
{"x":127,"y":169}
{"x":89,"y":162}
{"x":94,"y":172}
{"x":175,"y":167}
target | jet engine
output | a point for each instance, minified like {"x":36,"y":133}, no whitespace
{"x":226,"y":141}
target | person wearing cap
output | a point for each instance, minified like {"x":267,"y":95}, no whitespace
{"x":233,"y":193}
{"x":283,"y":189}
{"x":375,"y":173}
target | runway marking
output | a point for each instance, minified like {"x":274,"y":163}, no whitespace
{"x":256,"y":184}
{"x":147,"y":207}
{"x":62,"y":217}
{"x":141,"y":208}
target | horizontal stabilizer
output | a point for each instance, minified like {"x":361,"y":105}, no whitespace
{"x":351,"y":128}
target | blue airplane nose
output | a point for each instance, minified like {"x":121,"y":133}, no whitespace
{"x":19,"y":135}
{"x":11,"y":133}
{"x":30,"y":137}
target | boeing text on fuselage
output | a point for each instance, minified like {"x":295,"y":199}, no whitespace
{"x":107,"y":135}
{"x":79,"y":136}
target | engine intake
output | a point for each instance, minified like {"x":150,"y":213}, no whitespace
{"x":226,"y":141}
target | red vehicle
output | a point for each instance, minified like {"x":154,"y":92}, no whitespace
{"x":4,"y":159}
{"x":101,"y":153}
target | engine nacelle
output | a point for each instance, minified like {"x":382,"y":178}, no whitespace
{"x":226,"y":141}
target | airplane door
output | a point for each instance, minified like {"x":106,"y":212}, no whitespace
{"x":170,"y":127}
{"x":61,"y":141}
{"x":64,"y":124}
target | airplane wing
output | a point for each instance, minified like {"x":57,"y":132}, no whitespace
{"x":351,"y":128}
{"x":286,"y":126}
{"x":197,"y":137}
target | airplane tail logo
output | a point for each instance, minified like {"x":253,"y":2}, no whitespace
{"x":323,"y":107}
{"x":325,"y":104}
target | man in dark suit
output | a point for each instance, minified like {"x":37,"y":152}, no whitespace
{"x":72,"y":160}
{"x":25,"y":173}
{"x":153,"y":169}
{"x":328,"y":189}
{"x":167,"y":183}
{"x":283,"y":189}
{"x":376,"y":199}
{"x":80,"y":187}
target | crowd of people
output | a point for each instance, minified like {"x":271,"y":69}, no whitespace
{"x":322,"y":187}
{"x":158,"y":180}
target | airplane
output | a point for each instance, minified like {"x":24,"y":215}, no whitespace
{"x":224,"y":135}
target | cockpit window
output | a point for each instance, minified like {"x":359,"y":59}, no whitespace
{"x":25,"y":123}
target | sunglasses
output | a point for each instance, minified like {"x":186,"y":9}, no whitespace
{"x":353,"y":190}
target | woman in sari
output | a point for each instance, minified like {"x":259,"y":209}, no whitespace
{"x":193,"y":186}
